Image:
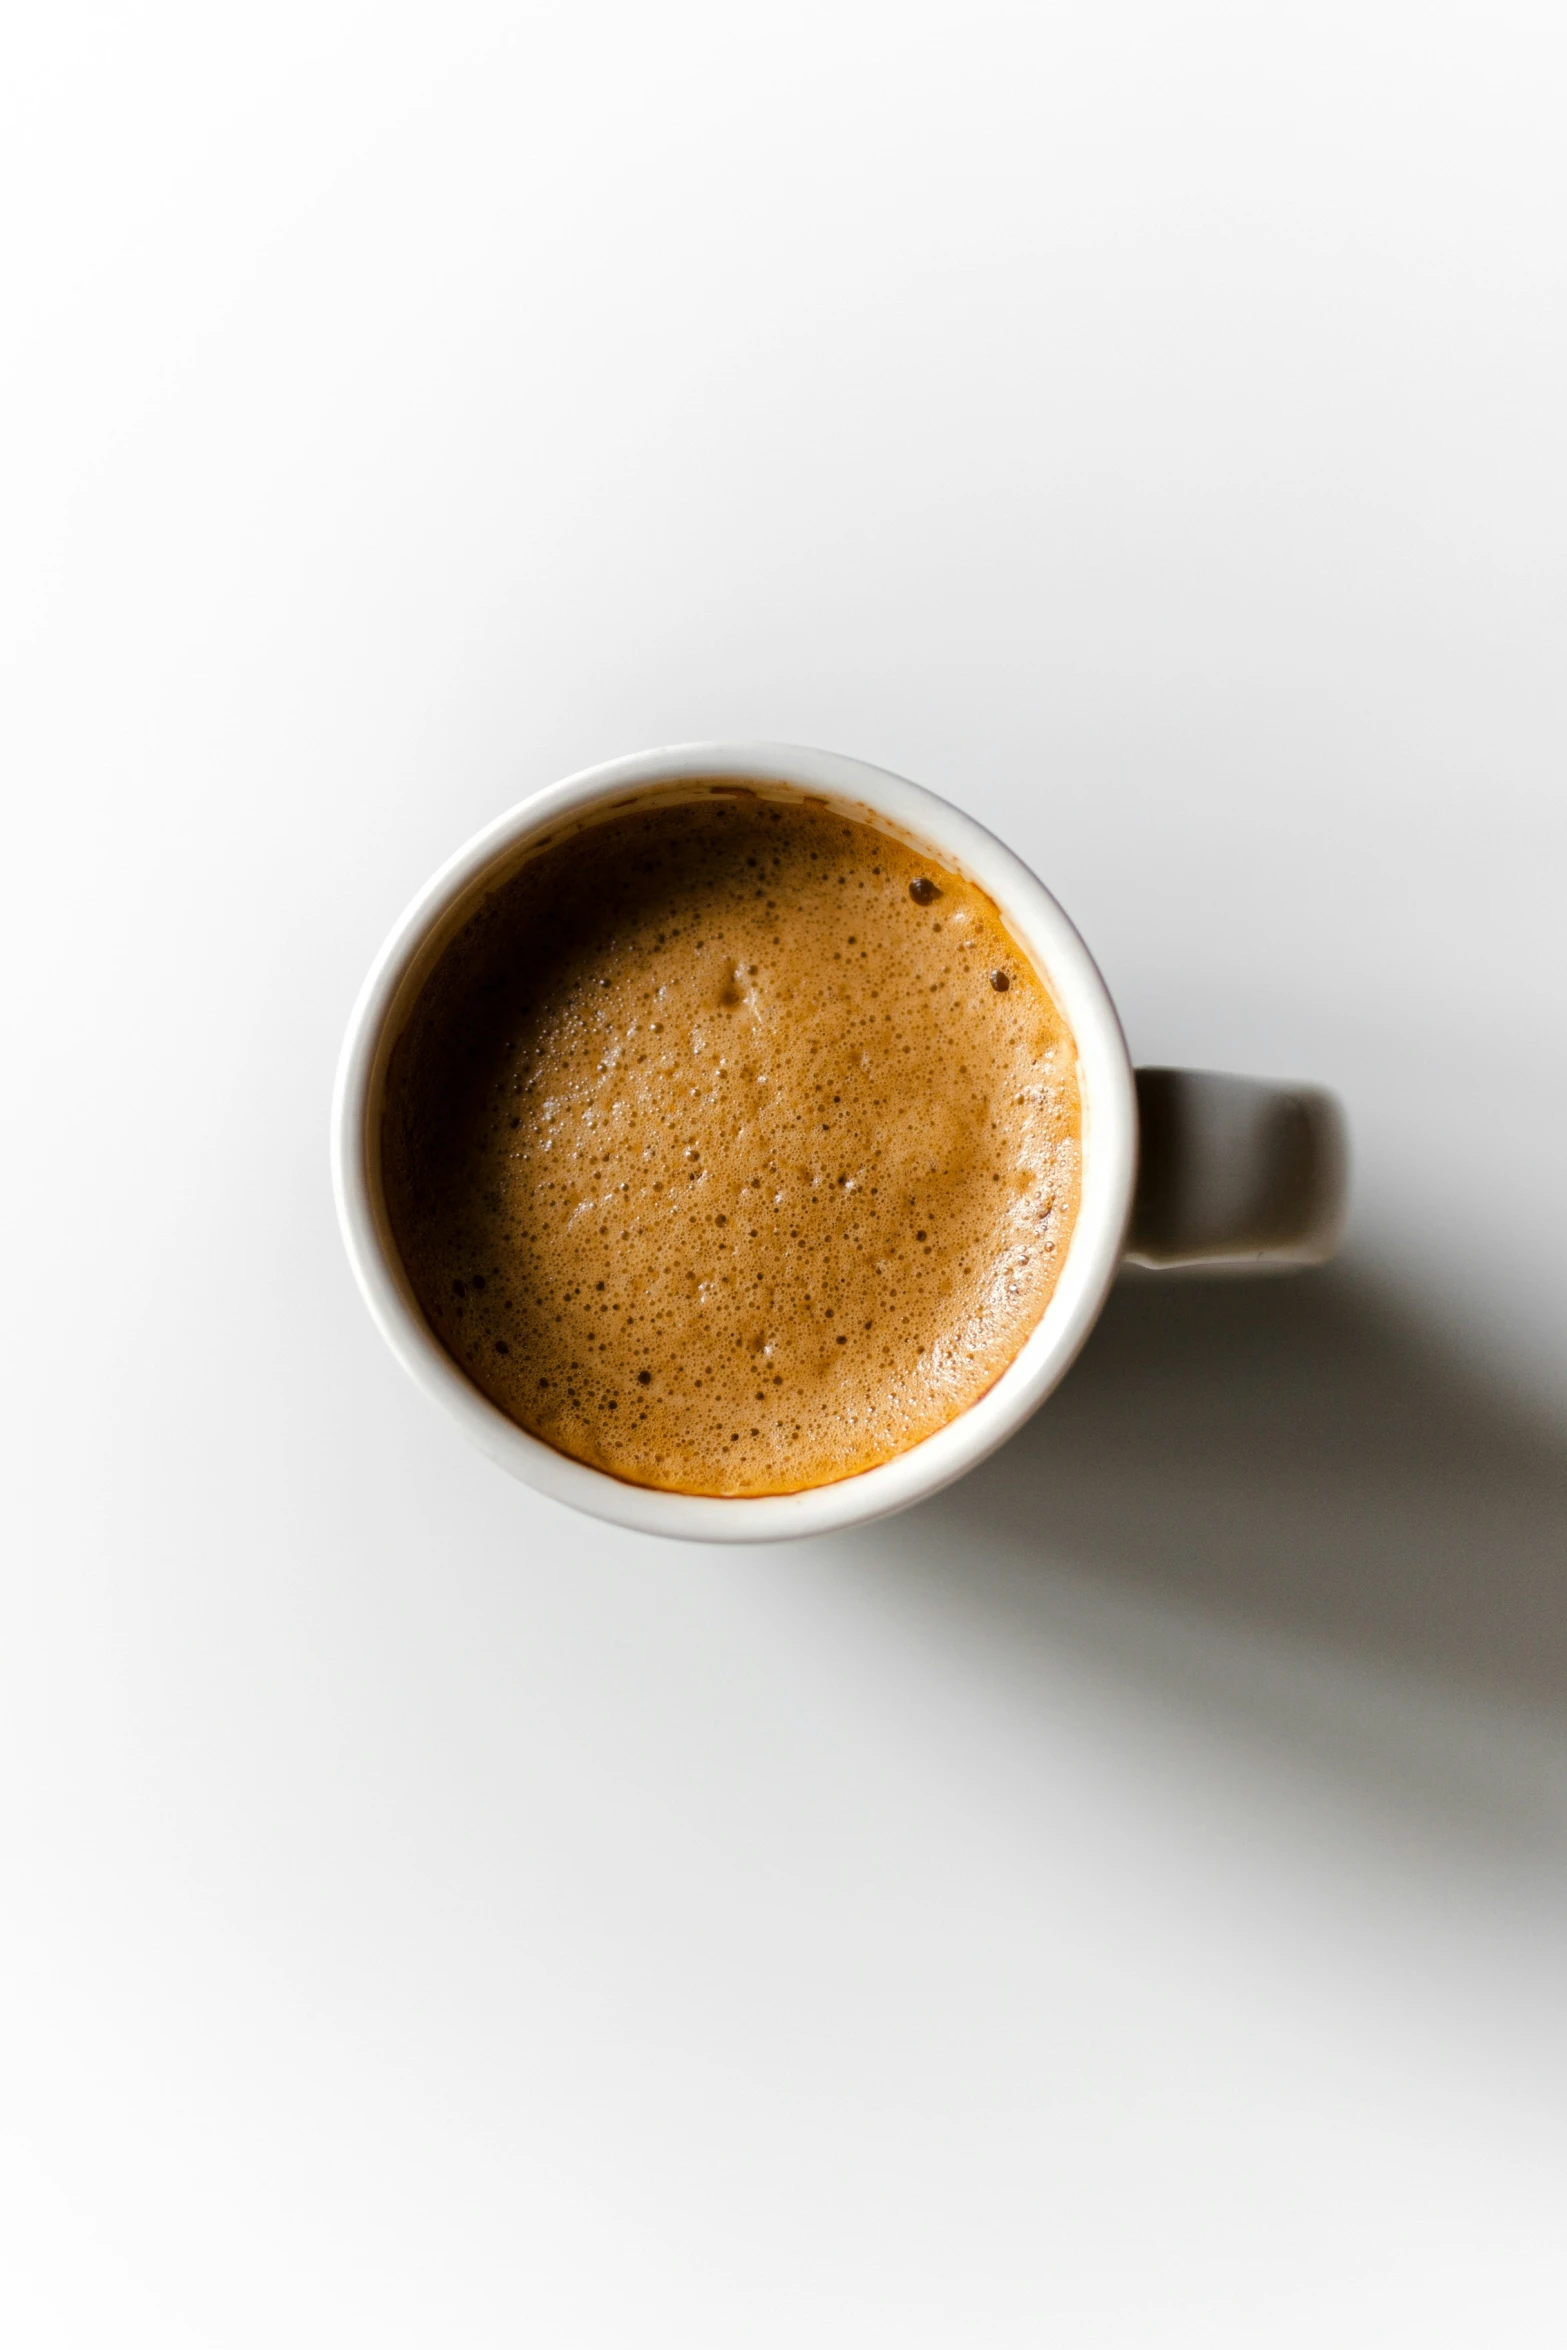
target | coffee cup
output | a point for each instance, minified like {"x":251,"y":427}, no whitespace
{"x":1182,"y":1170}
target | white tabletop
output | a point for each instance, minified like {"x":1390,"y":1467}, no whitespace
{"x":1124,"y":1902}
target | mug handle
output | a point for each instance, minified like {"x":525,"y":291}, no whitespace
{"x":1236,"y":1175}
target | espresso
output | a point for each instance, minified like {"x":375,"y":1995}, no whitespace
{"x":733,"y":1147}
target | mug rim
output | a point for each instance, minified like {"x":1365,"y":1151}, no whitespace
{"x":1109,"y":1141}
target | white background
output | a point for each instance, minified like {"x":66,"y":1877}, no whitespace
{"x":1124,"y":1902}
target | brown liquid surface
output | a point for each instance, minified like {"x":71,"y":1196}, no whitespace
{"x":732,"y":1147}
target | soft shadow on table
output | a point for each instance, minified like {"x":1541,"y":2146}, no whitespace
{"x":1296,"y":1456}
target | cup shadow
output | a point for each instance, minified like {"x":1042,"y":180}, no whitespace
{"x":1298,"y":1455}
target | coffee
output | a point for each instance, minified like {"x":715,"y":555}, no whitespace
{"x":732,"y":1146}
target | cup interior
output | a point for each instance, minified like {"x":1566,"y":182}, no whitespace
{"x":918,"y":818}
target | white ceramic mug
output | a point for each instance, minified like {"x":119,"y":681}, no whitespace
{"x":1231,"y":1173}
